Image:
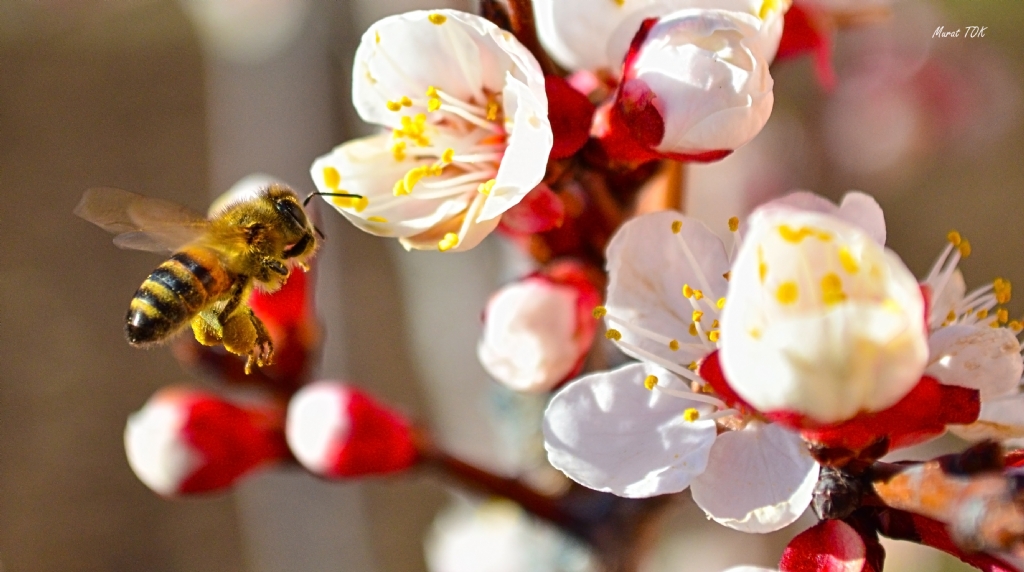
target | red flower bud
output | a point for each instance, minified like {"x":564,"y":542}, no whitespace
{"x":185,"y":441}
{"x":337,"y":431}
{"x":829,"y":546}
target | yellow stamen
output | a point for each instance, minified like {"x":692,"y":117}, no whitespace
{"x":734,"y":224}
{"x":714,"y":324}
{"x":1002,"y":315}
{"x":332,"y":178}
{"x":693,"y":366}
{"x":376,"y":219}
{"x":413,"y":176}
{"x":437,"y":19}
{"x":405,"y":101}
{"x":848,"y":261}
{"x":787,"y":293}
{"x":713,"y":336}
{"x":720,"y":303}
{"x":486,"y":186}
{"x":796,"y":236}
{"x":1015,"y":325}
{"x":448,"y":155}
{"x":377,"y":36}
{"x":433,"y":104}
{"x":398,"y":150}
{"x":393,"y":105}
{"x":693,"y":330}
{"x":599,"y":312}
{"x":677,"y":225}
{"x":951,"y":316}
{"x":832,"y":289}
{"x":982,"y":314}
{"x":492,"y":110}
{"x":691,"y":415}
{"x":431,"y":91}
{"x":450,"y":241}
{"x":954,"y":238}
{"x":687,"y":291}
{"x":728,"y":274}
{"x":650,"y":381}
{"x":697,"y":294}
{"x":673,"y":345}
{"x":399,"y":188}
{"x":613,"y":334}
{"x":965,"y":248}
{"x":697,"y":315}
{"x":1002,"y":290}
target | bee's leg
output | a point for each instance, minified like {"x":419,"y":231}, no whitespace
{"x":276,"y":266}
{"x":245,"y":335}
{"x":207,"y":328}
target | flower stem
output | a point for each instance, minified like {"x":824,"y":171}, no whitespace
{"x":520,"y":14}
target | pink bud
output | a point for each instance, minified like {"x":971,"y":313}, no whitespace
{"x":337,"y":431}
{"x":185,"y":441}
{"x":538,"y":331}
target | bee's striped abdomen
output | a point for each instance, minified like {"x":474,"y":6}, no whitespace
{"x":172,"y":294}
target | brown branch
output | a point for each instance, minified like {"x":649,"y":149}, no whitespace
{"x":520,"y":14}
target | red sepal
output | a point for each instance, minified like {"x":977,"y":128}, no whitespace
{"x":233,"y":441}
{"x":829,"y":546}
{"x":540,"y":210}
{"x":922,"y":414}
{"x":570,"y":113}
{"x":711,"y":370}
{"x":583,"y":279}
{"x":807,"y":31}
{"x":379,"y":442}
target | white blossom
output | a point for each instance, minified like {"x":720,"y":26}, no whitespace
{"x":467,"y":133}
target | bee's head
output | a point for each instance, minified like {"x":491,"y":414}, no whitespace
{"x":298,"y":233}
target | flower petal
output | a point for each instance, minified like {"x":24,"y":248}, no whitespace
{"x":981,"y":357}
{"x":367,"y":167}
{"x":759,"y":479}
{"x":856,"y":208}
{"x":607,"y":432}
{"x":820,"y":319}
{"x":407,"y":53}
{"x":648,"y":265}
{"x":529,"y":144}
{"x":1000,"y":420}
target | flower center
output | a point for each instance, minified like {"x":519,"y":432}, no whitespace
{"x":977,"y":306}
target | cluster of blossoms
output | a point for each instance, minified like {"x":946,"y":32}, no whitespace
{"x":765,"y":375}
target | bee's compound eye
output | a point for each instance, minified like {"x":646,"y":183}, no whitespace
{"x":292,"y":210}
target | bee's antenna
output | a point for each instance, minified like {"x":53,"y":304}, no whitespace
{"x":318,"y":193}
{"x":319,"y":233}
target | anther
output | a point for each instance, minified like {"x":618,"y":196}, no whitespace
{"x":492,"y":110}
{"x":697,"y":315}
{"x":613,"y":334}
{"x":720,"y":303}
{"x":965,"y":248}
{"x":954,"y":238}
{"x":599,"y":312}
{"x":393,"y":105}
{"x":450,"y":241}
{"x":727,"y":275}
{"x":691,"y":415}
{"x":677,"y":226}
{"x":693,"y":366}
{"x":674,"y":345}
{"x":376,"y":219}
{"x":1002,"y":315}
{"x":982,"y":314}
{"x":485,"y":187}
{"x":437,"y":19}
{"x":332,"y":178}
{"x":687,"y":291}
{"x":847,"y":260}
{"x":734,"y":224}
{"x":713,"y":336}
{"x":698,"y":294}
{"x":693,"y":330}
{"x":787,"y":293}
{"x":650,"y":382}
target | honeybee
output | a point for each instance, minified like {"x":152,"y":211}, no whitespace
{"x":216,"y":262}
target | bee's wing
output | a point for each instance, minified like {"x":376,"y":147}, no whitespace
{"x":141,"y":223}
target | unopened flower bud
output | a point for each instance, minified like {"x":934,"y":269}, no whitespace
{"x":185,"y":441}
{"x":337,"y":431}
{"x":538,"y":330}
{"x":695,"y":87}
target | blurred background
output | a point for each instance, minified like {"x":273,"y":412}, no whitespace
{"x":180,"y":98}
